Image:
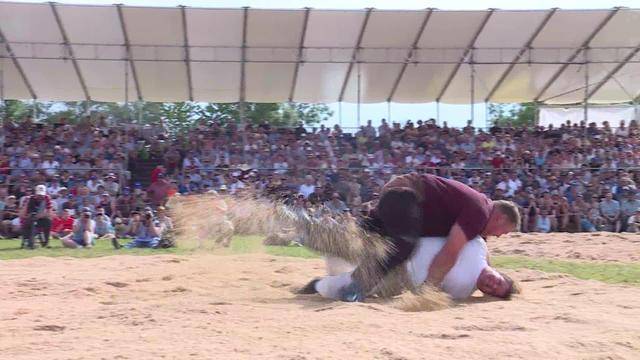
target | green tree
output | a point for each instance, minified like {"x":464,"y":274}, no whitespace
{"x":19,"y":110}
{"x":286,"y":114}
{"x":180,"y":117}
{"x":519,"y":115}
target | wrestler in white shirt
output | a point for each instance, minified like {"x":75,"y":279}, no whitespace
{"x":470,"y":272}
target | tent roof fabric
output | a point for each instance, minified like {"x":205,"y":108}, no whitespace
{"x":122,"y":53}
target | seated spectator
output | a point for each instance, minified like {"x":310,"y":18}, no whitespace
{"x":335,"y":205}
{"x":610,"y":211}
{"x":104,"y":229}
{"x":83,"y":234}
{"x":110,"y":185}
{"x":543,"y":222}
{"x":146,"y":231}
{"x":628,"y":206}
{"x":7,"y":215}
{"x":62,"y":225}
{"x":595,"y":216}
{"x":121,"y":229}
{"x":308,"y":187}
{"x":164,"y":221}
{"x":166,"y":228}
{"x":633,"y":223}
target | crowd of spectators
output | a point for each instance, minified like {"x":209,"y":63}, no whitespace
{"x":575,"y":177}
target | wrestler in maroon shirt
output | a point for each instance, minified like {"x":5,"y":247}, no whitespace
{"x":413,"y":206}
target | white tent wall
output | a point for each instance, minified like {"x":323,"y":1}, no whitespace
{"x":79,"y":52}
{"x":557,"y":116}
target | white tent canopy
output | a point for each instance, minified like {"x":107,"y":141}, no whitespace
{"x":122,"y":53}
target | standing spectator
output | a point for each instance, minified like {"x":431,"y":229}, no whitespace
{"x":610,"y":211}
{"x":36,"y":214}
{"x":159,"y":169}
{"x":159,"y":190}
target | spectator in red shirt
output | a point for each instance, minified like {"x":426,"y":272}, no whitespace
{"x":157,"y":170}
{"x":498,"y":161}
{"x":62,"y":225}
{"x":159,"y":190}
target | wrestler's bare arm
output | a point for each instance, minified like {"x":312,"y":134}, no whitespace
{"x":448,"y":255}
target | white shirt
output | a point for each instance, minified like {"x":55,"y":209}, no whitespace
{"x":459,"y":283}
{"x":50,"y":167}
{"x":307,"y":190}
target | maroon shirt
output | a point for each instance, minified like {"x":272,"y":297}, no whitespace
{"x":446,"y":202}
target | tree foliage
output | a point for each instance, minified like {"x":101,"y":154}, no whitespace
{"x":519,"y":115}
{"x":177,"y":118}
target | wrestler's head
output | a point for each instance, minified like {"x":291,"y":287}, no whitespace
{"x":399,"y":211}
{"x":504,"y":218}
{"x":495,"y":283}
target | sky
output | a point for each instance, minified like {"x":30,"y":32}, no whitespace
{"x":455,"y":115}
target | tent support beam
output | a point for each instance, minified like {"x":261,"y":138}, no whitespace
{"x":575,"y":54}
{"x":465,"y":54}
{"x":414,"y":47}
{"x":516,"y":59}
{"x":16,"y":63}
{"x":187,"y":53}
{"x":245,"y":19}
{"x":127,"y":45}
{"x":354,"y":56}
{"x":613,"y":72}
{"x":69,"y":48}
{"x":585,"y":100}
{"x":303,"y":34}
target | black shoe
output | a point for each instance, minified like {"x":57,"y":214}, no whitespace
{"x":115,"y":243}
{"x":310,"y":288}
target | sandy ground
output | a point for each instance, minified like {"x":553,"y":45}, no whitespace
{"x":621,"y":247}
{"x":242,"y":307}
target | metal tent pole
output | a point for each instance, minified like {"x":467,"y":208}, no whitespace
{"x":340,"y":113}
{"x":4,"y":113}
{"x":389,"y":111}
{"x":126,"y":89}
{"x":486,"y":114}
{"x":586,"y":86}
{"x":437,"y":112}
{"x":473,"y":90}
{"x":359,"y":75}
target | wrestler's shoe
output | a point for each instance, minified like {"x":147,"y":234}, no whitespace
{"x":310,"y":288}
{"x":352,"y":293}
